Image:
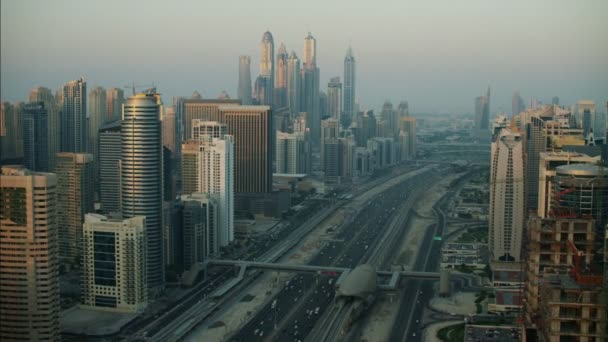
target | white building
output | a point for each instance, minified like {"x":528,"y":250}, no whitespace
{"x":290,"y":153}
{"x":507,"y":201}
{"x":114,"y":264}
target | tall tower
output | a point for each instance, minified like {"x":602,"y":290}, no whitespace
{"x":97,"y":117}
{"x":42,"y":94}
{"x":334,"y":98}
{"x":280,"y":80}
{"x":75,"y":186}
{"x":110,"y":149}
{"x":267,"y":63}
{"x":507,"y":201}
{"x":310,"y":89}
{"x":349,"y":85}
{"x":74,"y":117}
{"x":115,"y":97}
{"x":142,"y":176}
{"x":294,"y":79}
{"x":29,"y":271}
{"x":244,"y":91}
{"x":34,"y":118}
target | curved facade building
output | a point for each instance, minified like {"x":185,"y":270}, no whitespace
{"x":142,"y":176}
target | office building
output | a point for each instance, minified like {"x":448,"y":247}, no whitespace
{"x":244,"y":91}
{"x":142,"y":176}
{"x":507,"y":197}
{"x":34,"y":116}
{"x":199,"y":215}
{"x":291,"y":153}
{"x":12,"y":133}
{"x":294,"y":81}
{"x":310,"y":91}
{"x":330,"y":130}
{"x":42,"y":94}
{"x":114,"y":264}
{"x":517,"y":104}
{"x":73,"y":117}
{"x":97,"y":118}
{"x":170,"y":138}
{"x":115,"y":97}
{"x":280,"y":79}
{"x":29,"y":266}
{"x":267,"y":67}
{"x":334,"y":99}
{"x":201,"y":128}
{"x":75,"y":184}
{"x":407,"y":138}
{"x":110,"y":151}
{"x":261,"y":91}
{"x":349,"y":85}
{"x":207,"y":110}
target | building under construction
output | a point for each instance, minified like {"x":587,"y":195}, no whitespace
{"x":565,"y":251}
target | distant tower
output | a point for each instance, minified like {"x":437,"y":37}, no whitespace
{"x":280,"y":81}
{"x":293,"y":84}
{"x":310,"y":90}
{"x":267,"y":63}
{"x":507,"y":197}
{"x":555,"y":101}
{"x":349,"y":85}
{"x":97,"y":117}
{"x":45,"y":95}
{"x":142,"y":176}
{"x":74,"y":117}
{"x":110,"y":150}
{"x":34,"y":118}
{"x":334,"y":98}
{"x":517,"y":104}
{"x":29,"y":266}
{"x":586,"y":114}
{"x":115,"y":97}
{"x":75,"y":186}
{"x":244,"y":91}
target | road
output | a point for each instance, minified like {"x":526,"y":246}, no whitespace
{"x":303,"y":300}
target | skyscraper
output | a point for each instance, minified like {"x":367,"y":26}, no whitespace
{"x":75,"y":184}
{"x":42,"y":94}
{"x":170,"y":139}
{"x":142,"y":176}
{"x":334,"y":98}
{"x":97,"y":117}
{"x":280,"y":80}
{"x":555,"y":101}
{"x":29,"y":271}
{"x":267,"y":64}
{"x":12,"y":133}
{"x":330,"y":131}
{"x":114,"y":264}
{"x":349,"y":85}
{"x":507,"y":197}
{"x":35,"y":136}
{"x":115,"y":97}
{"x":310,"y":89}
{"x":199,"y":220}
{"x":586,"y":115}
{"x":517,"y":104}
{"x":244,"y":91}
{"x":407,"y":138}
{"x":207,"y":110}
{"x":294,"y":79}
{"x":74,"y":117}
{"x":290,"y":153}
{"x":110,"y":150}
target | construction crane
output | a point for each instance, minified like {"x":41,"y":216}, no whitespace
{"x":133,"y":86}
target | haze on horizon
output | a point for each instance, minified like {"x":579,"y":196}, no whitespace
{"x":438,"y":55}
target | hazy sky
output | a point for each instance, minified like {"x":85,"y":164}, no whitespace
{"x":438,"y":55}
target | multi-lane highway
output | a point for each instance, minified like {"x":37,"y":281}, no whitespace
{"x":292,"y":314}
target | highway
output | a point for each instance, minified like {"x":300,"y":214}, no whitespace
{"x":295,"y":310}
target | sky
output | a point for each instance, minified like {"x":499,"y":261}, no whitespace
{"x":437,"y":55}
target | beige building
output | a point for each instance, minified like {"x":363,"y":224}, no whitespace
{"x":29,"y":287}
{"x":75,"y":187}
{"x":114,"y":264}
{"x":407,"y":138}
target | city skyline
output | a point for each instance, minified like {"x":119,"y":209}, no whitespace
{"x":395,"y":60}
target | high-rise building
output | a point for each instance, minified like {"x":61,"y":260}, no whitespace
{"x":34,"y":118}
{"x":291,"y":153}
{"x":555,"y":101}
{"x":507,"y":197}
{"x":74,"y":117}
{"x":294,"y":80}
{"x":332,"y":156}
{"x":407,"y":138}
{"x":11,"y":137}
{"x":29,"y":266}
{"x":280,"y":79}
{"x":75,"y":184}
{"x":267,"y":65}
{"x":330,"y":130}
{"x":115,"y":97}
{"x":349,"y":85}
{"x":110,"y":151}
{"x":517,"y":104}
{"x":482,"y":113}
{"x":310,"y":90}
{"x":586,"y":115}
{"x":244,"y":91}
{"x":114,"y":264}
{"x":207,"y":110}
{"x":213,"y":129}
{"x":334,"y":98}
{"x":42,"y":94}
{"x":142,"y":176}
{"x":97,"y":118}
{"x":199,"y":216}
{"x":261,"y":91}
{"x":208,"y":167}
{"x":170,"y":139}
